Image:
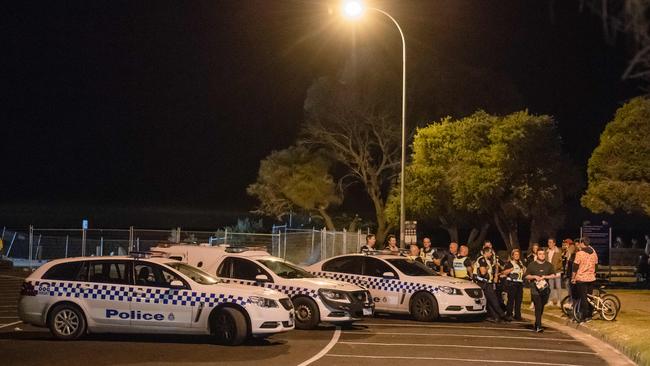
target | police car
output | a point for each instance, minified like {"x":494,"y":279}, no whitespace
{"x":401,"y":285}
{"x":315,"y":299}
{"x":144,"y":294}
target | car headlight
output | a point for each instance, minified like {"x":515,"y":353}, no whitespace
{"x":334,"y":295}
{"x":263,"y":302}
{"x":450,"y":290}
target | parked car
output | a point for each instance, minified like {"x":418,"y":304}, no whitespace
{"x":315,"y":299}
{"x":145,"y":294}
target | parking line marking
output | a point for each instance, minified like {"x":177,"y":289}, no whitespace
{"x":462,"y":346}
{"x":10,"y":324}
{"x":450,"y":326}
{"x":460,"y":335}
{"x":453,"y":359}
{"x":319,"y":355}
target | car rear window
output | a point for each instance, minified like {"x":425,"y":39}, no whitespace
{"x":64,"y":271}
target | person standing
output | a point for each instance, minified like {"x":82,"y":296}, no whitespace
{"x":554,"y":256}
{"x":513,"y":272}
{"x":584,"y":276}
{"x":448,"y":263}
{"x":531,"y":254}
{"x":371,"y":240}
{"x":538,"y":272}
{"x":569,"y":257}
{"x":414,"y":253}
{"x":430,"y":257}
{"x":647,"y":244}
{"x":391,"y":244}
{"x":484,"y":276}
{"x":462,"y":265}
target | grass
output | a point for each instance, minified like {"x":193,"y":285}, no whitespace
{"x":630,"y":332}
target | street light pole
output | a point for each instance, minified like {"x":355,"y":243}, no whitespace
{"x":402,"y":208}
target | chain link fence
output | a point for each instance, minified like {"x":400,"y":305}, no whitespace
{"x":33,"y":246}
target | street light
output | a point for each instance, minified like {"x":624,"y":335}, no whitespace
{"x":352,"y":9}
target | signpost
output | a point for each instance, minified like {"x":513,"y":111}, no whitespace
{"x":84,"y":228}
{"x":600,"y":238}
{"x":410,"y":232}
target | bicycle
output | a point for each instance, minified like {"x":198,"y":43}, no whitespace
{"x":605,"y":304}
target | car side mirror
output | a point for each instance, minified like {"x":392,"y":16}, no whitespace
{"x":176,"y":284}
{"x":262,"y":278}
{"x":388,"y":275}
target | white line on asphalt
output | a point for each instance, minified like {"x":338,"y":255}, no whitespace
{"x":319,"y":355}
{"x":10,"y":324}
{"x":461,"y":346}
{"x":459,"y":335}
{"x":453,"y":359}
{"x":397,"y":325}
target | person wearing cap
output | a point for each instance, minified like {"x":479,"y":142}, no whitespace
{"x":513,"y":272}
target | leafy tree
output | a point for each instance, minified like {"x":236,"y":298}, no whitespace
{"x":294,"y":179}
{"x":485,"y":167}
{"x":619,"y":168}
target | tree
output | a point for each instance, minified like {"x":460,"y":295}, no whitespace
{"x":619,"y":168}
{"x":350,"y":121}
{"x":485,"y":168}
{"x":295,"y":178}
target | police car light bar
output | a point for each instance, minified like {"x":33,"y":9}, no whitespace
{"x":384,"y":252}
{"x":243,"y":249}
{"x":148,"y":254}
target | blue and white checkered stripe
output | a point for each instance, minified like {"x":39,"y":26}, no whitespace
{"x":290,"y":291}
{"x":375,"y":283}
{"x":123,"y":293}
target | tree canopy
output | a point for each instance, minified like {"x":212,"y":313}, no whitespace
{"x":295,"y":178}
{"x":486,"y":168}
{"x":619,"y":168}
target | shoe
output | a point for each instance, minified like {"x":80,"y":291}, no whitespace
{"x":539,"y":329}
{"x":491,"y":320}
{"x":518,"y":318}
{"x":588,"y":320}
{"x":508,"y":318}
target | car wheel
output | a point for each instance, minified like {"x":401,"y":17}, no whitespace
{"x":424,"y":307}
{"x":67,"y":322}
{"x":307,"y":314}
{"x":229,"y":327}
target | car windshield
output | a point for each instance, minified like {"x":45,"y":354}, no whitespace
{"x":412,"y":268}
{"x":194,"y":273}
{"x":285,"y":269}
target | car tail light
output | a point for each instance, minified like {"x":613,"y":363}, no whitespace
{"x":28,"y":289}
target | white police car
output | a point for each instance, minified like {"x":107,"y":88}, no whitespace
{"x":144,"y":294}
{"x":314,"y":299}
{"x":400,"y":285}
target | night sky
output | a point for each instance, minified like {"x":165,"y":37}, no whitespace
{"x":133,"y":104}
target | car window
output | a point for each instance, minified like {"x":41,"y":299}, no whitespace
{"x":64,"y":271}
{"x":194,"y":273}
{"x":412,"y":268}
{"x":225,"y":268}
{"x":351,"y":264}
{"x":285,"y":269}
{"x":107,"y":272}
{"x":149,"y":274}
{"x":246,"y":270}
{"x":376,"y":267}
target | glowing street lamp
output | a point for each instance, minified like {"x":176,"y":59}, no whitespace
{"x":354,"y":9}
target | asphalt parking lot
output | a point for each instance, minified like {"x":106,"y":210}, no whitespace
{"x":379,"y":340}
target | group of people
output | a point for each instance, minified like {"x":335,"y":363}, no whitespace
{"x":503,"y":279}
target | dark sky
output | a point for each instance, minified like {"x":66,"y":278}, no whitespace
{"x":173,"y":104}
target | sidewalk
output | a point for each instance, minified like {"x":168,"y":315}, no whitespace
{"x":628,"y":333}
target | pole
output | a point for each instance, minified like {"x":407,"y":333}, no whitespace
{"x":11,"y":244}
{"x":402,"y":208}
{"x":83,"y":242}
{"x":312,"y":241}
{"x":31,"y":242}
{"x":101,"y":245}
{"x":131,"y":232}
{"x":67,"y":239}
{"x":610,"y":254}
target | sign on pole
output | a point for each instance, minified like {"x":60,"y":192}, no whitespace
{"x":600,"y":238}
{"x":410,"y":232}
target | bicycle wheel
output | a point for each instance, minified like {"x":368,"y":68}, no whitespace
{"x":609,"y":310}
{"x":614,"y":298}
{"x":576,"y":311}
{"x":565,"y":304}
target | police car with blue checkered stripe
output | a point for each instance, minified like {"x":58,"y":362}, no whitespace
{"x":404,"y":286}
{"x":315,"y":299}
{"x":145,"y":293}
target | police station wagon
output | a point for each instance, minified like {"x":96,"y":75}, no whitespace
{"x":144,"y":294}
{"x":314,"y":299}
{"x":400,"y":285}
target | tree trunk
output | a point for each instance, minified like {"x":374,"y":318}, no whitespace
{"x":535,"y":232}
{"x":452,"y":229}
{"x":509,"y":231}
{"x":382,"y":226}
{"x":477,"y":237}
{"x":329,"y":224}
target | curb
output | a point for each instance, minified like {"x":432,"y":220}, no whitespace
{"x":626,"y":351}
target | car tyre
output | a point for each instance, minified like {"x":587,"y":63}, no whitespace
{"x":67,"y":322}
{"x":229,"y":327}
{"x":307,"y":314}
{"x":424,"y":307}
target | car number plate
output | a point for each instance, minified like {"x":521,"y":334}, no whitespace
{"x":367,"y":311}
